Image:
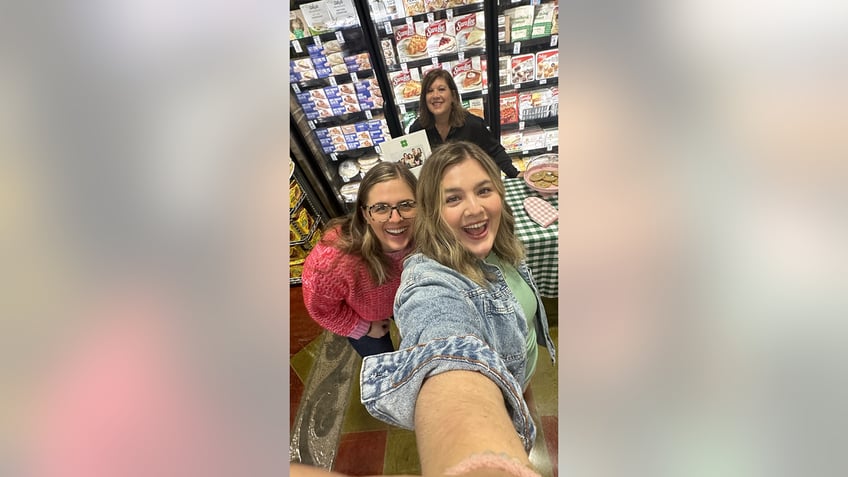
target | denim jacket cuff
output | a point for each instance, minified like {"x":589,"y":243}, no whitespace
{"x":390,"y":382}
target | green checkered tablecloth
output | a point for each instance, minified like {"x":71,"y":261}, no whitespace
{"x":541,"y":243}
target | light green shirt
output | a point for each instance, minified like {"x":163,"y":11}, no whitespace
{"x":527,"y":300}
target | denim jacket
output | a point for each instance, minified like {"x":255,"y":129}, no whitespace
{"x":448,"y":322}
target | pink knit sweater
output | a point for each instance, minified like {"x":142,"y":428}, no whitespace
{"x":339,"y":293}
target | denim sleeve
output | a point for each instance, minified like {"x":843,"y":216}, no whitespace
{"x":437,"y":324}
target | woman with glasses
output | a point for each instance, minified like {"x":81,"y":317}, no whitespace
{"x":350,"y":278}
{"x":471,"y":321}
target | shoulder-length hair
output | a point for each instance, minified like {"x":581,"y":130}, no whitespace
{"x":355,"y":236}
{"x":457,"y":114}
{"x":435,"y":239}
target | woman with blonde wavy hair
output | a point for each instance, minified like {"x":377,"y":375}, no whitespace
{"x":351,"y":276}
{"x":470,"y":318}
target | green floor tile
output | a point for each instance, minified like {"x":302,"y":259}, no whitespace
{"x":401,"y":453}
{"x":303,"y":360}
{"x":357,"y":418}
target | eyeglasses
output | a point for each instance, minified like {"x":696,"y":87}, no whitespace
{"x":383,"y":212}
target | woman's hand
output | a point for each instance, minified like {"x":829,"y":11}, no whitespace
{"x":378,"y":329}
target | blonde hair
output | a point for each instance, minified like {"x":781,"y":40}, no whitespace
{"x":457,"y":113}
{"x":435,"y":239}
{"x":355,"y":235}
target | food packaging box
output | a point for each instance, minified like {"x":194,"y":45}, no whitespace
{"x":324,"y":72}
{"x":336,"y":58}
{"x":303,"y":97}
{"x":320,"y":62}
{"x":304,"y":75}
{"x":303,"y":222}
{"x":483,"y":71}
{"x":511,"y":141}
{"x":343,"y":13}
{"x":325,"y":141}
{"x":547,"y":64}
{"x":438,"y":66}
{"x":520,"y":22}
{"x":406,"y":85}
{"x":346,"y":88}
{"x":297,"y":26}
{"x":317,"y":16}
{"x":470,"y":31}
{"x":475,"y":107}
{"x":406,"y":120}
{"x":388,"y":47}
{"x":468,"y":74}
{"x":505,"y":70}
{"x":413,"y":7}
{"x":509,"y":108}
{"x":295,"y":193}
{"x":324,"y":113}
{"x":555,"y":21}
{"x":522,"y":68}
{"x":532,"y":138}
{"x":361,"y":61}
{"x":435,"y":5}
{"x":503,"y":29}
{"x":543,"y":22}
{"x":441,"y":38}
{"x":374,"y":124}
{"x":332,"y":92}
{"x":301,"y":64}
{"x":332,"y":46}
{"x":322,"y":133}
{"x":339,"y":70}
{"x":534,"y":104}
{"x":312,"y":115}
{"x":551,"y":137}
{"x":317,"y":93}
{"x":315,"y":50}
{"x":350,"y":103}
{"x":411,"y":41}
{"x":361,"y":126}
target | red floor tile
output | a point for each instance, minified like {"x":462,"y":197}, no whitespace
{"x":302,"y":328}
{"x":296,"y":391}
{"x":361,"y":453}
{"x":549,"y":425}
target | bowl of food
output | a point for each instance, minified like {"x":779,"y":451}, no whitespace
{"x":542,"y":174}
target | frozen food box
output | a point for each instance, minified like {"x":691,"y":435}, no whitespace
{"x":551,"y":138}
{"x":301,"y":64}
{"x":547,"y":64}
{"x":332,"y":91}
{"x":413,"y":7}
{"x":555,"y":21}
{"x":520,"y":22}
{"x":441,"y":38}
{"x":543,"y":22}
{"x":411,"y":41}
{"x":336,"y":58}
{"x":346,"y":88}
{"x":509,"y":108}
{"x":354,"y":63}
{"x":468,"y":74}
{"x":388,"y":47}
{"x":475,"y":107}
{"x":324,"y":72}
{"x":315,"y":50}
{"x":332,"y":46}
{"x":532,"y":138}
{"x":303,"y":97}
{"x":511,"y":141}
{"x":406,"y":85}
{"x":297,"y":26}
{"x":505,"y":70}
{"x":343,"y":13}
{"x":470,"y":31}
{"x":438,"y":66}
{"x":522,"y":68}
{"x":435,"y":5}
{"x":317,"y":16}
{"x":322,"y":133}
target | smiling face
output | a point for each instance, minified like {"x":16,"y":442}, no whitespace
{"x":395,"y":234}
{"x":439,"y":98}
{"x":471,"y":206}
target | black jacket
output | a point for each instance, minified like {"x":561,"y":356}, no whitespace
{"x":474,"y":131}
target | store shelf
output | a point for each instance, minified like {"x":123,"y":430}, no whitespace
{"x":530,"y":85}
{"x":297,"y":205}
{"x":533,"y":152}
{"x":550,"y":121}
{"x":437,"y":15}
{"x":348,"y":118}
{"x":295,"y":281}
{"x":529,"y":46}
{"x":337,"y":79}
{"x":315,"y":226}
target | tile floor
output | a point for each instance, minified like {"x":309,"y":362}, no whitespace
{"x":331,"y":429}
